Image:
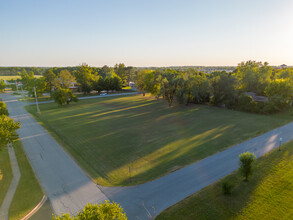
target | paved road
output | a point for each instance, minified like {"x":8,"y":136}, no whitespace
{"x":65,"y":184}
{"x":89,"y":97}
{"x":68,"y":187}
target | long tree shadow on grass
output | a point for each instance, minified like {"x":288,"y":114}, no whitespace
{"x":138,"y":140}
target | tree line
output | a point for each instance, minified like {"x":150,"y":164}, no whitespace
{"x":58,"y":81}
{"x":232,"y":90}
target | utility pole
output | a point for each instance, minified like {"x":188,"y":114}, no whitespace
{"x":37,"y":104}
{"x":22,"y":92}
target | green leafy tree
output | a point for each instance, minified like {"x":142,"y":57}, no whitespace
{"x":64,"y":96}
{"x":152,"y":81}
{"x":99,"y":84}
{"x":65,"y":80}
{"x":50,"y":77}
{"x":3,"y":109}
{"x":120,"y":70}
{"x":7,"y":130}
{"x":169,"y":85}
{"x":246,"y":161}
{"x":116,"y":83}
{"x":194,"y":88}
{"x":102,"y":211}
{"x":140,"y":80}
{"x":2,"y":85}
{"x":254,"y":76}
{"x":85,"y":78}
{"x":223,"y":90}
{"x":104,"y":71}
{"x":280,"y":87}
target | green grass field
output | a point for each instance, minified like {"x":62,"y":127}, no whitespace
{"x":133,"y":139}
{"x":268,"y":194}
{"x":14,"y":77}
{"x":28,"y":193}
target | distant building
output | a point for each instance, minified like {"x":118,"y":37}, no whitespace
{"x":283,"y":66}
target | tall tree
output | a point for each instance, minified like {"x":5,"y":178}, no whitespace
{"x":50,"y":78}
{"x":120,"y":70}
{"x":223,"y":90}
{"x":85,"y":78}
{"x":169,"y":85}
{"x":7,"y":130}
{"x":65,"y":79}
{"x":2,"y":85}
{"x":254,"y":76}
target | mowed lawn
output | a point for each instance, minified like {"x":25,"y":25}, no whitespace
{"x":15,"y":77}
{"x":133,"y":139}
{"x":28,"y":193}
{"x":268,"y":194}
{"x":5,"y":173}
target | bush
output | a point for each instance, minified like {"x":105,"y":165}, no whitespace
{"x":2,"y":85}
{"x":246,"y":161}
{"x":227,"y":188}
{"x":102,"y":211}
{"x":64,"y":96}
{"x":246,"y":103}
{"x":3,"y":109}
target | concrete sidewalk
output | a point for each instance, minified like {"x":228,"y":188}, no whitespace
{"x":4,"y":209}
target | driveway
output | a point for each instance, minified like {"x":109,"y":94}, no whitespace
{"x":69,"y":188}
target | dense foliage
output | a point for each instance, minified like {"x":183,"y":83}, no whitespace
{"x":102,"y":211}
{"x":2,"y":86}
{"x":7,"y":130}
{"x":3,"y":109}
{"x":235,"y":90}
{"x":64,"y":96}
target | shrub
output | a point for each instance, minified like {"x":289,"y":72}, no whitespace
{"x":102,"y":211}
{"x":246,"y":103}
{"x":227,"y":187}
{"x":64,"y":96}
{"x":246,"y":161}
{"x":3,"y":109}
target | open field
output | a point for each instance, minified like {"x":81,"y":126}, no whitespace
{"x":134,"y":139}
{"x":268,"y":194}
{"x":14,"y":77}
{"x":28,"y":193}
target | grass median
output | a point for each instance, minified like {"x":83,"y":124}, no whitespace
{"x":133,"y":139}
{"x":29,"y":192}
{"x":268,"y":194}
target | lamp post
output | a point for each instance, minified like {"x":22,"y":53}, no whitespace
{"x":37,"y":104}
{"x":281,"y":140}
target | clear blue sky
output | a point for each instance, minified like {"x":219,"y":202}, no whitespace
{"x":145,"y":32}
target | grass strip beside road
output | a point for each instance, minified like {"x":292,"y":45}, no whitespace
{"x":133,"y":139}
{"x":268,"y":194}
{"x":5,"y":173}
{"x":29,"y":192}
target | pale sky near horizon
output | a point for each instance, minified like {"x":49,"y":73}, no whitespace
{"x":145,"y":32}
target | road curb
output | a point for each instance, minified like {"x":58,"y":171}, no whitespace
{"x":34,"y":210}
